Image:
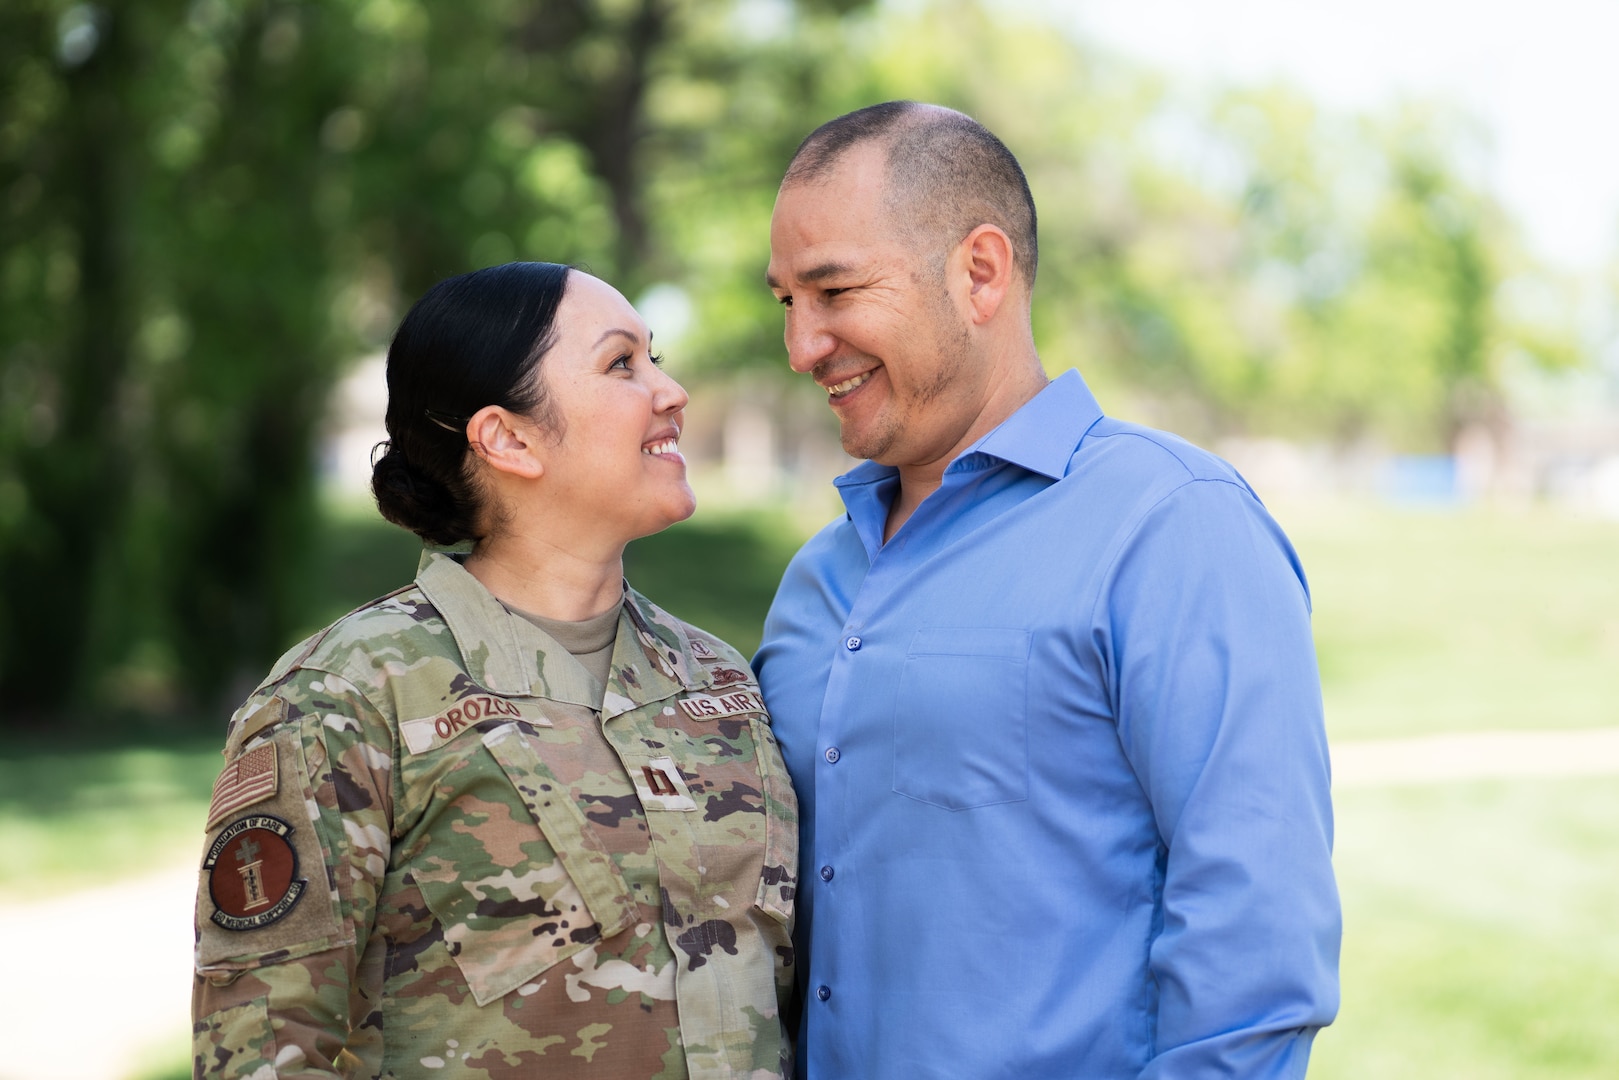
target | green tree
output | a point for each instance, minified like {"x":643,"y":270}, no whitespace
{"x":208,"y":208}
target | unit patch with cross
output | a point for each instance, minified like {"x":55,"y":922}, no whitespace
{"x":252,"y":873}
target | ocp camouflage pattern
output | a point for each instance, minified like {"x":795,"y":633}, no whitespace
{"x":500,"y":882}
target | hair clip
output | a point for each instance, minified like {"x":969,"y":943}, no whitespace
{"x":449,"y":421}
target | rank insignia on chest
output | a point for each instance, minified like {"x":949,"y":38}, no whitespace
{"x":252,"y":873}
{"x":249,"y":779}
{"x":661,"y":787}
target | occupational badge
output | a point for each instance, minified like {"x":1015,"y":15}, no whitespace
{"x":727,"y":676}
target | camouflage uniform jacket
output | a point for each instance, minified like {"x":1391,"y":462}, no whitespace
{"x":429,"y":855}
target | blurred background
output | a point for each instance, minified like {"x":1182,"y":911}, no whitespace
{"x":1369,"y":254}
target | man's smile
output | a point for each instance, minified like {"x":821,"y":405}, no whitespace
{"x":839,"y":389}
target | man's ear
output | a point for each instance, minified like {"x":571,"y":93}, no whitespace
{"x":505,"y":441}
{"x":985,"y":255}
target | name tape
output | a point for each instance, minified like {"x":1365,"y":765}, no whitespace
{"x":434,"y":731}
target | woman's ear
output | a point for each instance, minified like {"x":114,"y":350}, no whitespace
{"x":505,"y":441}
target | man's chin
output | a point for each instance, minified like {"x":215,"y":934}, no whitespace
{"x":866,"y":445}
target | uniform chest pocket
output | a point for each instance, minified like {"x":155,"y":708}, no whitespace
{"x":961,"y":734}
{"x":527,"y":883}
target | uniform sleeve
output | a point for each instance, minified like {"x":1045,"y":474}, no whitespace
{"x":1206,"y":622}
{"x":297,"y":845}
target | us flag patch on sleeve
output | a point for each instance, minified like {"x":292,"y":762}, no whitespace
{"x":249,"y":779}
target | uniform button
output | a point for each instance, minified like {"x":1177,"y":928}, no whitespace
{"x":826,"y":873}
{"x":832,"y":755}
{"x":823,"y":992}
{"x":852,"y":644}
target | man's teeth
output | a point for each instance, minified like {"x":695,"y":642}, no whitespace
{"x":844,"y":387}
{"x":667,"y":446}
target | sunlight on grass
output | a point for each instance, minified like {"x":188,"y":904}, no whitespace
{"x":79,"y":820}
{"x":1468,"y":620}
{"x":1478,"y":933}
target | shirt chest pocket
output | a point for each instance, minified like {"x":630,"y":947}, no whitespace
{"x":961,"y":720}
{"x":526,"y":882}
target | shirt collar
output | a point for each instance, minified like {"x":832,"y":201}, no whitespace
{"x":506,"y":654}
{"x":1040,"y":436}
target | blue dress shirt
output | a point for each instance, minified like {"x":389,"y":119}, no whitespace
{"x":1061,"y":768}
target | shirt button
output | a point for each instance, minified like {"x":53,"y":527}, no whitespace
{"x":823,"y":992}
{"x":832,"y":755}
{"x":826,"y":873}
{"x":852,"y":644}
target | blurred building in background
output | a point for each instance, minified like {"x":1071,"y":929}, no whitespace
{"x":750,"y":440}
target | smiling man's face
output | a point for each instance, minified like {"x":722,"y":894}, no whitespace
{"x":870,"y":318}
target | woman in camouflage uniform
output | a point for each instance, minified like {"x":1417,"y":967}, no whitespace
{"x":512,"y":819}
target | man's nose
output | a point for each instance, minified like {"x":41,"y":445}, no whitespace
{"x":808,"y":340}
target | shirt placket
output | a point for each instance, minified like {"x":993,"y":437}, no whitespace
{"x":866,"y":653}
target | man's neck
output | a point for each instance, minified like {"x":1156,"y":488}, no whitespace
{"x":911,"y":495}
{"x":918,"y":481}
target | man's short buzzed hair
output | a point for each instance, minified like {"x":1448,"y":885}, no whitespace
{"x":947,"y":174}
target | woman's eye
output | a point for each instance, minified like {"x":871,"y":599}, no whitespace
{"x":656,"y":358}
{"x":621,"y":362}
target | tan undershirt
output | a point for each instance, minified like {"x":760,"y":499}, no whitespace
{"x":590,"y":641}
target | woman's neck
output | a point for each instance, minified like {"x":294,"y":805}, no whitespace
{"x":536,"y":575}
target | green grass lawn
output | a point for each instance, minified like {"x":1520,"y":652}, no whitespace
{"x":1478,"y":916}
{"x":79,"y":818}
{"x":1479,"y":940}
{"x":1473,"y":620}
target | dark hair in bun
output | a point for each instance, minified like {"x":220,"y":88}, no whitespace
{"x":470,"y":341}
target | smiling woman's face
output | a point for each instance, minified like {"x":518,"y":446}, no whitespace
{"x":616,"y":470}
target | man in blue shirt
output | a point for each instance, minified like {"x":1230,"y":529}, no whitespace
{"x":1047,"y":692}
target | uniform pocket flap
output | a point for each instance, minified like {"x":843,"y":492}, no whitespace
{"x":508,"y":922}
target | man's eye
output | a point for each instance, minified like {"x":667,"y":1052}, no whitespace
{"x":785,"y":301}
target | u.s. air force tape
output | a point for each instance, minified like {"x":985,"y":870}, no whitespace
{"x":252,"y":873}
{"x":715,"y":706}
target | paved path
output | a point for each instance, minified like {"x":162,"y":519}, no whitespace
{"x":107,"y":973}
{"x":1439,"y":759}
{"x":93,"y":981}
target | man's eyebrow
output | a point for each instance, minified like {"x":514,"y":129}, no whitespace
{"x":815,"y":273}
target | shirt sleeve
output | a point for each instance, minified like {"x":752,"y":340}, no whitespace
{"x":1205,"y":623}
{"x":279,"y":996}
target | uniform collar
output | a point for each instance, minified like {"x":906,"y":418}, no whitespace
{"x":508,"y":655}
